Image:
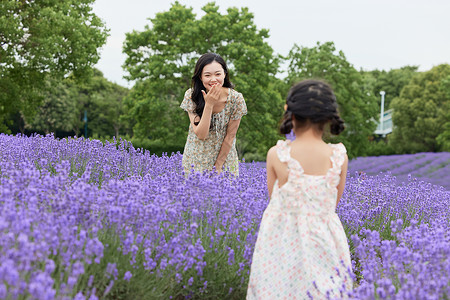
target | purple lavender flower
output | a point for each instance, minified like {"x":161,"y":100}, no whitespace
{"x":127,"y":276}
{"x":79,"y":296}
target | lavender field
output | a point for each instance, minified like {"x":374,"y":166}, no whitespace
{"x":430,"y":167}
{"x":80,"y":219}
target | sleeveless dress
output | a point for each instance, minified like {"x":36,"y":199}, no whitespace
{"x":302,"y":250}
{"x":202,"y":154}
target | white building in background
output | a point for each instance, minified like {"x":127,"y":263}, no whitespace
{"x":385,"y":123}
{"x":385,"y":127}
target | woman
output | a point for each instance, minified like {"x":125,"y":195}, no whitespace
{"x":215,"y":110}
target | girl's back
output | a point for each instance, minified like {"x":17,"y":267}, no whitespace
{"x":314,"y":158}
{"x":301,"y":240}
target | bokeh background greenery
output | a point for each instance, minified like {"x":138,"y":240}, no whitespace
{"x":48,"y":83}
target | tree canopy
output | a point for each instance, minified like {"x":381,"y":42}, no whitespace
{"x":162,"y":58}
{"x":39,"y":39}
{"x":48,"y":48}
{"x":62,"y":109}
{"x":421,"y":115}
{"x":58,"y":110}
{"x":391,"y":82}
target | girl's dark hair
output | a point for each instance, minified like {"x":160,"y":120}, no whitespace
{"x":196,"y":83}
{"x":312,"y":100}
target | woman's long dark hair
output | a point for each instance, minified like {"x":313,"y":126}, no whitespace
{"x":312,"y":100}
{"x":197,"y":85}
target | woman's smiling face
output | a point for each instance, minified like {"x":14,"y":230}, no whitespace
{"x":212,"y":74}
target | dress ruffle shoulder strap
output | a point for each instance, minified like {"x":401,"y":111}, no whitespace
{"x":283,"y":151}
{"x":338,"y":158}
{"x":339,"y":155}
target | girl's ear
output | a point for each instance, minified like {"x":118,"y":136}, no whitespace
{"x":285,"y":107}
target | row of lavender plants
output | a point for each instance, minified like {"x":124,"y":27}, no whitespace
{"x":428,"y":166}
{"x":80,"y":219}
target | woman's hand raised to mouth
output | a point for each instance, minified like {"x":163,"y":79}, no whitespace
{"x":213,"y":96}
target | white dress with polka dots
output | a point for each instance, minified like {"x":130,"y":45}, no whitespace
{"x":302,"y":250}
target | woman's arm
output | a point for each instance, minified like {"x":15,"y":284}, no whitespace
{"x":343,"y":176}
{"x":211,"y":99}
{"x":232,"y":129}
{"x":201,"y":130}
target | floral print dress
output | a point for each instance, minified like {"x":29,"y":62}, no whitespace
{"x":302,"y":250}
{"x":201,"y":155}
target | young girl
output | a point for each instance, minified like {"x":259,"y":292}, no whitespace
{"x":215,"y":110}
{"x":302,"y":250}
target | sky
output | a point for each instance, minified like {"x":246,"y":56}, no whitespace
{"x":373,"y":34}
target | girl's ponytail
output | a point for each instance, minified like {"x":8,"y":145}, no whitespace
{"x":337,"y":125}
{"x":286,"y":124}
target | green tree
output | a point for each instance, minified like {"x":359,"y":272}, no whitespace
{"x":104,"y":102}
{"x":443,"y":139}
{"x":356,"y":105}
{"x":39,"y":39}
{"x":63,"y":107}
{"x":162,"y":58}
{"x":421,"y":112}
{"x":392,"y":82}
{"x":57,"y":112}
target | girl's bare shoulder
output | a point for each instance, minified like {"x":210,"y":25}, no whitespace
{"x":272,"y":152}
{"x":272,"y":155}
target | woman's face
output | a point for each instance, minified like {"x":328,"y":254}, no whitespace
{"x":212,"y":74}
